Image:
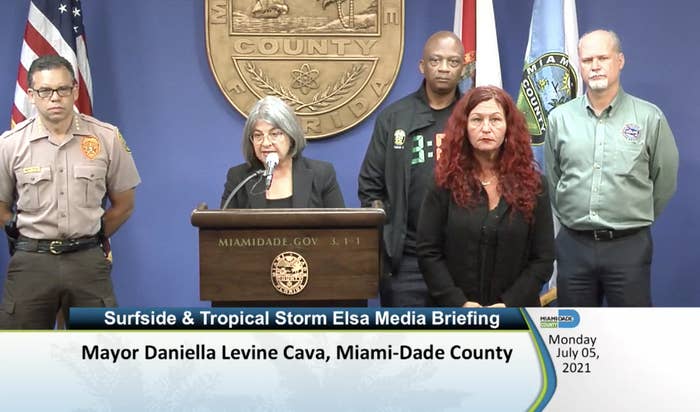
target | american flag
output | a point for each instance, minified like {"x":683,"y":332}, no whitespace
{"x":53,"y":27}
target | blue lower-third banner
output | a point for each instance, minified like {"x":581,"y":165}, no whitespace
{"x":347,"y":359}
{"x":296,"y":318}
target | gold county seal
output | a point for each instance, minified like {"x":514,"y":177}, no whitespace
{"x":332,"y":61}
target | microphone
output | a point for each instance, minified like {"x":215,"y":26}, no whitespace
{"x":271,"y":161}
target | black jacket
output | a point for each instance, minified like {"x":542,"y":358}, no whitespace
{"x":386,"y":170}
{"x":448,"y":251}
{"x":314,"y":185}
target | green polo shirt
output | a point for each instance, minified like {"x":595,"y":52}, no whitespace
{"x":617,"y":170}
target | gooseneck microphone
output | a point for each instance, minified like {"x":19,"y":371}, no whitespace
{"x":271,"y":161}
{"x":240,"y":185}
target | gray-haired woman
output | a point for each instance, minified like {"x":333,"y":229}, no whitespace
{"x":272,"y":129}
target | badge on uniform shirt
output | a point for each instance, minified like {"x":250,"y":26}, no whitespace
{"x":121,"y":139}
{"x":90,"y":147}
{"x":631,"y":132}
{"x":399,"y":138}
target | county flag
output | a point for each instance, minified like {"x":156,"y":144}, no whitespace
{"x":475,"y":24}
{"x":53,"y":27}
{"x":550,"y":77}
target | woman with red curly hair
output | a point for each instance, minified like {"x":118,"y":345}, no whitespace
{"x":485,"y":235}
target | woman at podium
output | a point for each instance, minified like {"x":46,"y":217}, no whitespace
{"x":277,"y":174}
{"x":485,"y":235}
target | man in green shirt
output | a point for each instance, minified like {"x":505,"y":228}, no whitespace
{"x":612,"y":163}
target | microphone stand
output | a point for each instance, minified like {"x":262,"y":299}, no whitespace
{"x":240,"y":185}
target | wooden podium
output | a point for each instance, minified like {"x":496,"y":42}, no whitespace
{"x":289,"y":257}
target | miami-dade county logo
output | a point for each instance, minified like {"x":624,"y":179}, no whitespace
{"x":548,"y":82}
{"x":565,"y":318}
{"x":332,"y":61}
{"x":289,"y":272}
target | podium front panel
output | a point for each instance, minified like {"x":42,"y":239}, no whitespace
{"x":341,"y":263}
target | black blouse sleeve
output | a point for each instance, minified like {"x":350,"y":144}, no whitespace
{"x":430,"y":244}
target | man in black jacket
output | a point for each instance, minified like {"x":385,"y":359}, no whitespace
{"x":399,"y":163}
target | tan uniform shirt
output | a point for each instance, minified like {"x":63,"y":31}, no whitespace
{"x":60,"y":186}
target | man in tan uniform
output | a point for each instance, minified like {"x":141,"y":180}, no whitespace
{"x":57,"y":168}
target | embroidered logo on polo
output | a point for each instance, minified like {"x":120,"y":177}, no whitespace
{"x":399,"y":138}
{"x":90,"y":147}
{"x":631,"y":132}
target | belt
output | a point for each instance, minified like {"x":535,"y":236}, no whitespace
{"x":57,"y":246}
{"x":606,"y":234}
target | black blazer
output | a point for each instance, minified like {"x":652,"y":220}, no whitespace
{"x":314,"y":185}
{"x":447,"y":244}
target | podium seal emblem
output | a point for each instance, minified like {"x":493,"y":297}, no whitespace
{"x":332,"y":61}
{"x":289,"y":272}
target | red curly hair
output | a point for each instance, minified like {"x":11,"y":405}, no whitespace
{"x":457,"y":169}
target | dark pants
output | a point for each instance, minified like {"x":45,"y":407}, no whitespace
{"x":406,"y":287}
{"x":618,"y":270}
{"x":38,"y":284}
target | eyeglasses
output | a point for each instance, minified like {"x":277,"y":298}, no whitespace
{"x":452,"y":62}
{"x":45,"y":92}
{"x":273,"y":136}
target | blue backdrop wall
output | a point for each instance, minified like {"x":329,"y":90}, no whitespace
{"x":151,"y":78}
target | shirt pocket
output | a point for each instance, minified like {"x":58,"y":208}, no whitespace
{"x":90,"y":185}
{"x":632,"y":159}
{"x":33,"y":189}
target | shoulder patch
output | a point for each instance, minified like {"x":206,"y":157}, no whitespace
{"x":123,"y":142}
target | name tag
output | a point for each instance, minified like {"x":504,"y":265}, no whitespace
{"x":33,"y":169}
